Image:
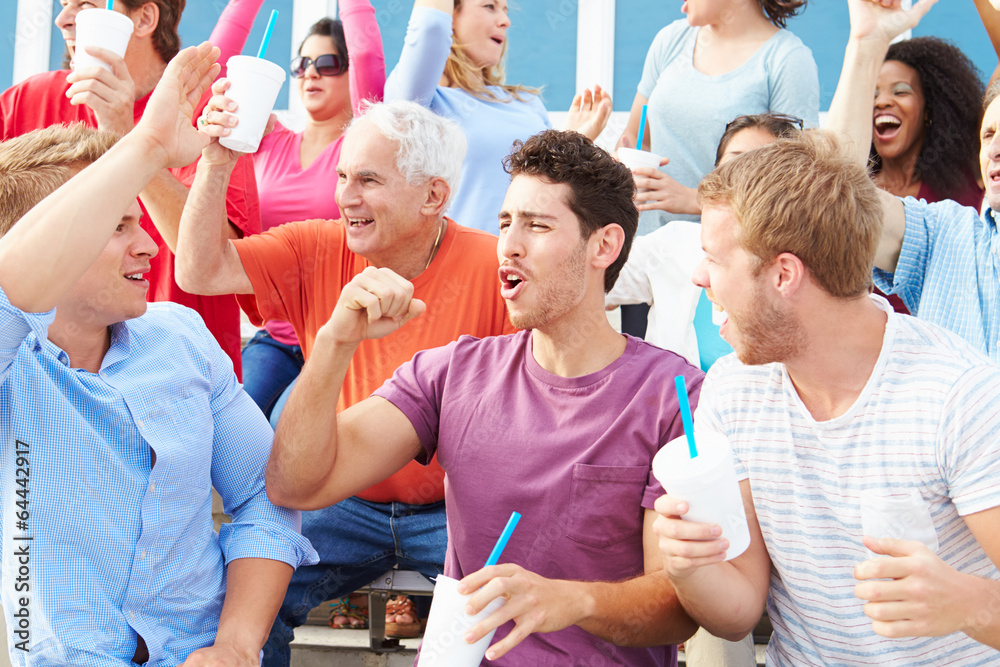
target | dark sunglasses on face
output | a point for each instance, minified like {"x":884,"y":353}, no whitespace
{"x":328,"y":64}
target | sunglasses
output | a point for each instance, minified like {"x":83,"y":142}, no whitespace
{"x":781,"y":118}
{"x":328,"y":64}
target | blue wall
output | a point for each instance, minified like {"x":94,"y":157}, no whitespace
{"x":543,"y":39}
{"x":8,"y":19}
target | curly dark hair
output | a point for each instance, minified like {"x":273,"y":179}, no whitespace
{"x":602,"y":187}
{"x":779,"y":11}
{"x":952,"y":93}
{"x":166,"y":40}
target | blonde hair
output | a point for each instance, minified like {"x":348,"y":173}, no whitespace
{"x":34,"y":165}
{"x":803,"y":195}
{"x":462,"y":73}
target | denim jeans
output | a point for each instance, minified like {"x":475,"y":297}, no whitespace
{"x":268,"y":367}
{"x":357,"y":541}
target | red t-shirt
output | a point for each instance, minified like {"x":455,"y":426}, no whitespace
{"x":298,"y":270}
{"x":41,"y":101}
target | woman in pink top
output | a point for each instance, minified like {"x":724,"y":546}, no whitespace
{"x":296,"y":171}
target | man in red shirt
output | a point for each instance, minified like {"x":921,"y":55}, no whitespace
{"x":114,"y":101}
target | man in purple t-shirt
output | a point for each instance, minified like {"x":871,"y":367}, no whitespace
{"x":559,"y":422}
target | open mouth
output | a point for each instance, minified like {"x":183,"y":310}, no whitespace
{"x":887,"y":127}
{"x":137,"y":278}
{"x":719,"y":314}
{"x":511,"y":283}
{"x":994,"y":178}
{"x":357,"y":223}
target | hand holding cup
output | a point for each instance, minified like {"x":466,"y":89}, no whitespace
{"x":218,"y":120}
{"x":686,"y":545}
{"x":109,"y":91}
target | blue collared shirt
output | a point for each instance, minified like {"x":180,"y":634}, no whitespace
{"x":97,"y":544}
{"x":949,"y":271}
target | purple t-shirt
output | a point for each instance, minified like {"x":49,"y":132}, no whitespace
{"x":572,"y":455}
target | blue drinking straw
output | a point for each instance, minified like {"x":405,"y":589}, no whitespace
{"x":111,"y":5}
{"x":685,"y":405}
{"x":504,"y":536}
{"x":267,"y":33}
{"x":642,"y":128}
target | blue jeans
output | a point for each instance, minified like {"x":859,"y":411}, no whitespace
{"x":268,"y":367}
{"x":357,"y":541}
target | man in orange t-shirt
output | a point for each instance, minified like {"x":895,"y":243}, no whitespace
{"x":392,"y":196}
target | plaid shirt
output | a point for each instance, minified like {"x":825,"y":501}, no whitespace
{"x":949,"y":271}
{"x":97,"y":544}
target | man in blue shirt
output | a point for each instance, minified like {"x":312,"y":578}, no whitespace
{"x":117,"y":419}
{"x":943,"y":259}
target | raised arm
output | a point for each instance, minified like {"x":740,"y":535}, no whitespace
{"x":441,"y":5}
{"x":425,"y":52}
{"x":206,"y":260}
{"x":989,"y":13}
{"x":589,"y":112}
{"x":364,"y":48}
{"x":319,"y":458}
{"x":233,"y":28}
{"x":873,"y":27}
{"x":45,"y":254}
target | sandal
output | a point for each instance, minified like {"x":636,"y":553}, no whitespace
{"x":346,"y":615}
{"x":401,"y":618}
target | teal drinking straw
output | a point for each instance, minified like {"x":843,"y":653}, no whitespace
{"x":642,"y":129}
{"x":685,"y":405}
{"x":111,"y":5}
{"x":267,"y":33}
{"x":504,"y":536}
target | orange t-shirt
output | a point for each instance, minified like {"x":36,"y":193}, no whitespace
{"x":298,"y":270}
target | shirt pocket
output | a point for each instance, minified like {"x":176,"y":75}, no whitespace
{"x":605,"y":503}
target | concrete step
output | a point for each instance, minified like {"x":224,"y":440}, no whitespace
{"x":318,"y":646}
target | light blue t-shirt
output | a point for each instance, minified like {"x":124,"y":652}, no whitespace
{"x":490,"y":127}
{"x":689,"y":110}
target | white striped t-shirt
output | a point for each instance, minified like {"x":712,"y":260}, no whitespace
{"x":927,"y":420}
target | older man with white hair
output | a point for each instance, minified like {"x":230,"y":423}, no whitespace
{"x":398,"y":167}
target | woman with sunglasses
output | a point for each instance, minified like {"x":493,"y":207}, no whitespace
{"x":729,"y":57}
{"x":339,"y":66}
{"x":463,"y":79}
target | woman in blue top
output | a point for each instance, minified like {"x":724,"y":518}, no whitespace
{"x":729,"y":58}
{"x":463,"y":79}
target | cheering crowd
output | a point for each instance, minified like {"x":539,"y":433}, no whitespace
{"x":431,"y":264}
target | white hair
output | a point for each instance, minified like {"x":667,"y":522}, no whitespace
{"x":430,"y":146}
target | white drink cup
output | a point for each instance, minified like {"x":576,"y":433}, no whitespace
{"x":100,"y":27}
{"x":707,"y":483}
{"x":633,"y":159}
{"x":444,"y":642}
{"x":904,"y":515}
{"x":253,"y":84}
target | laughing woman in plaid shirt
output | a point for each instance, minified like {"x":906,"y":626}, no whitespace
{"x":943,"y":259}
